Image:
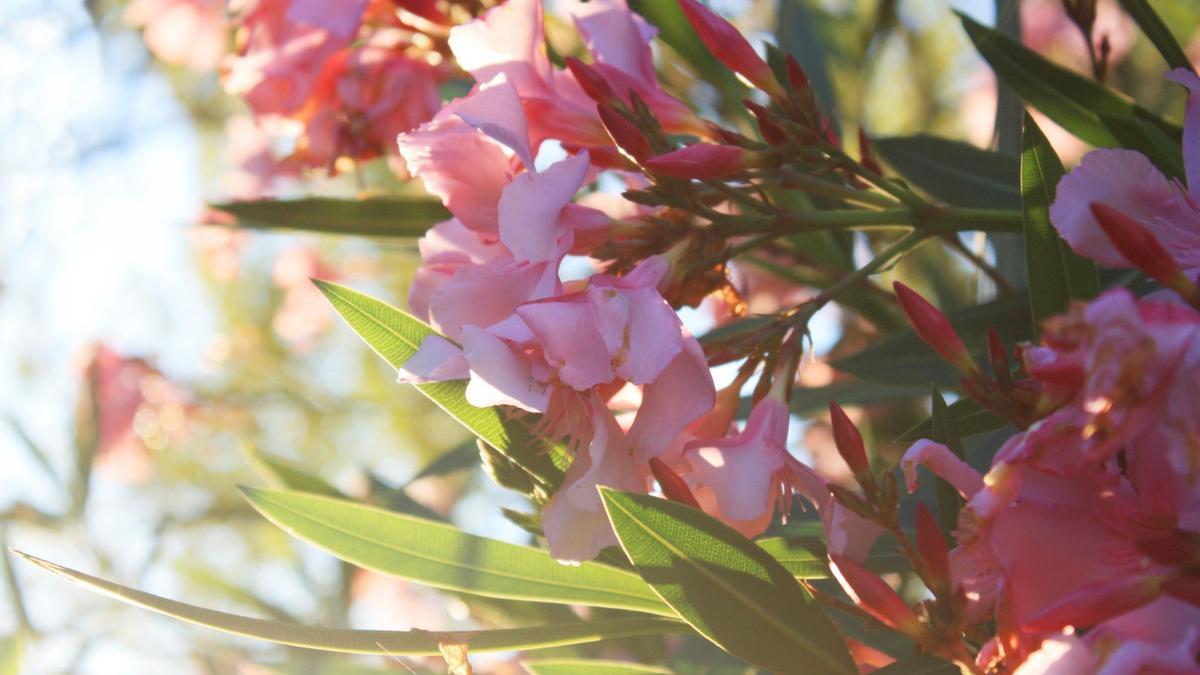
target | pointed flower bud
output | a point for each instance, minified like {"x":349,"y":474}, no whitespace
{"x":935,"y":554}
{"x":624,"y":134}
{"x":672,"y":484}
{"x":998,"y":358}
{"x":875,"y":596}
{"x":771,"y":132}
{"x":934,"y":328}
{"x":592,"y":82}
{"x":730,"y":47}
{"x":703,"y":161}
{"x":796,"y":75}
{"x":1139,"y":246}
{"x":850,"y":445}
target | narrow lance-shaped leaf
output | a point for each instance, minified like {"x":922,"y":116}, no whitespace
{"x":1056,"y":274}
{"x":396,"y":336}
{"x":281,"y":473}
{"x":442,"y":556}
{"x":397,"y":643}
{"x":1071,"y":100}
{"x":728,"y":589}
{"x":376,"y":217}
{"x":954,"y":172}
{"x":1160,"y":36}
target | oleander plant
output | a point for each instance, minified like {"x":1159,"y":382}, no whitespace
{"x":640,"y":230}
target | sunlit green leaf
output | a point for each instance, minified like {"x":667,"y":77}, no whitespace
{"x":281,"y":473}
{"x":1071,"y":100}
{"x":1056,"y":274}
{"x":396,"y":336}
{"x":806,"y":558}
{"x":375,"y":217}
{"x":954,"y":172}
{"x":729,"y":590}
{"x":442,"y":556}
{"x":400,"y":643}
{"x":586,"y":667}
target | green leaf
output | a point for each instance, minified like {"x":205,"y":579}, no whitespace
{"x":798,"y":32}
{"x":1160,"y":36}
{"x":902,"y":358}
{"x":399,"y":643}
{"x":967,"y":416}
{"x":729,"y":590}
{"x":1056,"y":274}
{"x":1163,"y":151}
{"x":946,"y":432}
{"x":588,"y":667}
{"x":396,"y":336}
{"x":459,"y":458}
{"x":919,"y":664}
{"x":442,"y":556}
{"x":1071,"y":100}
{"x":375,"y":217}
{"x":806,"y":558}
{"x":281,"y":473}
{"x":954,"y":172}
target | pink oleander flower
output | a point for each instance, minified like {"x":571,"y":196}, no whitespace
{"x":508,"y":40}
{"x":303,"y":316}
{"x":1089,"y":518}
{"x":743,"y":479}
{"x":1126,"y":181}
{"x":192,"y":33}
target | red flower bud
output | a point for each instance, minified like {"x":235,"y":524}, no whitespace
{"x":624,"y":134}
{"x":673,"y":486}
{"x":592,"y":82}
{"x":875,"y":596}
{"x":796,"y":75}
{"x":935,"y":554}
{"x":702,"y":161}
{"x":771,"y":132}
{"x":934,"y":328}
{"x":866,"y":151}
{"x":1093,"y":603}
{"x":849,"y":444}
{"x":1139,"y":246}
{"x":730,"y":47}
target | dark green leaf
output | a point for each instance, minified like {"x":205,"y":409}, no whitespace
{"x":954,"y":172}
{"x":1160,"y":36}
{"x":968,"y":418}
{"x":728,"y":589}
{"x":1071,"y":100}
{"x":396,"y":643}
{"x":396,"y":336}
{"x":1056,"y":274}
{"x":375,"y":217}
{"x":919,"y":664}
{"x":459,"y":458}
{"x":440,"y":555}
{"x":903,"y":358}
{"x":796,"y":32}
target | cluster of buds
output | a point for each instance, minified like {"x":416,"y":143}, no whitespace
{"x":937,"y":625}
{"x":1020,"y":401}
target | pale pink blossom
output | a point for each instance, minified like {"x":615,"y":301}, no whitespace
{"x":192,"y":33}
{"x":1126,"y":180}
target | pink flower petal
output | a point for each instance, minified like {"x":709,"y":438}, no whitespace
{"x":437,"y":359}
{"x":531,"y":208}
{"x":944,"y":463}
{"x":500,"y":374}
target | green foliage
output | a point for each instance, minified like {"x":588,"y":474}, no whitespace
{"x":1160,"y":36}
{"x":967,"y":417}
{"x":902,"y":358}
{"x":401,"y":643}
{"x":728,"y":589}
{"x":442,"y":556}
{"x":396,"y":336}
{"x":1074,"y":102}
{"x":945,"y":431}
{"x":1056,"y":274}
{"x":375,"y":217}
{"x":954,"y":172}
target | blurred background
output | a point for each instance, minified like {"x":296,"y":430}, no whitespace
{"x":152,"y":359}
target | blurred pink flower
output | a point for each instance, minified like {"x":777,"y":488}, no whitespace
{"x":192,"y":33}
{"x":304,"y":314}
